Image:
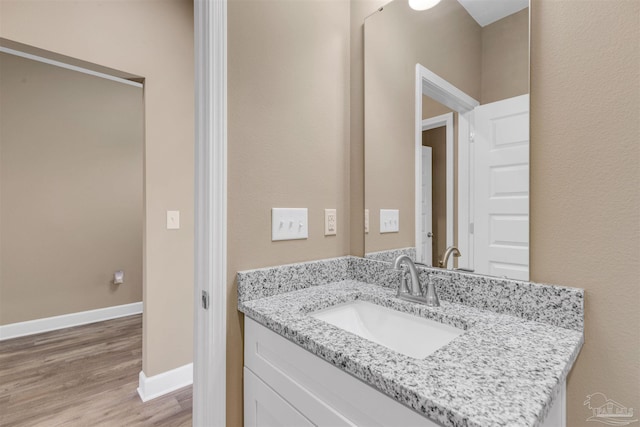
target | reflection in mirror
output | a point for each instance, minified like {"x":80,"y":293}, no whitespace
{"x":447,"y":135}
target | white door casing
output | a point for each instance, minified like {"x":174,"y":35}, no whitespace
{"x":466,"y":169}
{"x":210,"y":329}
{"x":501,"y":180}
{"x":430,"y":84}
{"x":427,"y":206}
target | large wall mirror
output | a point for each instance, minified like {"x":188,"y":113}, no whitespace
{"x":447,"y":135}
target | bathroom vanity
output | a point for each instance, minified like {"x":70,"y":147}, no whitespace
{"x":505,"y":363}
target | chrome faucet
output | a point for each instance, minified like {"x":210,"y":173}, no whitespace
{"x":413,"y":271}
{"x":416,"y":293}
{"x":445,"y":258}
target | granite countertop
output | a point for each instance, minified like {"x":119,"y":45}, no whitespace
{"x":503,"y":371}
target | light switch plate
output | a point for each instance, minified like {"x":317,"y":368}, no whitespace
{"x":289,"y":224}
{"x":173,"y":220}
{"x":389,"y":220}
{"x":366,"y":220}
{"x":330,"y":222}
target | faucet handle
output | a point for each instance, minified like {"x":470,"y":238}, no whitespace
{"x":431,"y":295}
{"x":403,"y":288}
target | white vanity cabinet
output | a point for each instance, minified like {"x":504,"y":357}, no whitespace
{"x":285,"y":385}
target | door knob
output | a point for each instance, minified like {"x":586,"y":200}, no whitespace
{"x":430,"y":234}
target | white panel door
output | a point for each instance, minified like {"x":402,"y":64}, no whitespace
{"x":427,"y":206}
{"x":501,"y":179}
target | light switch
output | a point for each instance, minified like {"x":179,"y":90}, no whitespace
{"x":389,"y":220}
{"x":289,"y":224}
{"x":173,"y":220}
{"x":366,"y":220}
{"x":330,"y":222}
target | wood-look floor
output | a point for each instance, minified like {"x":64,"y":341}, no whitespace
{"x":83,"y":376}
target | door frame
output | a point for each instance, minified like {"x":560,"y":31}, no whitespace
{"x":210,"y":324}
{"x":445,"y":120}
{"x":430,"y":84}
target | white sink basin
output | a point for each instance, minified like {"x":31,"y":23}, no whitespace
{"x":407,"y":334}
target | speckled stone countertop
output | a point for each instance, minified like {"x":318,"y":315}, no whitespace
{"x":503,"y":371}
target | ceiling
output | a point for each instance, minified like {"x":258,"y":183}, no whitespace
{"x":486,"y":12}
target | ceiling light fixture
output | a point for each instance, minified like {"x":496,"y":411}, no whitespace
{"x":422,"y":4}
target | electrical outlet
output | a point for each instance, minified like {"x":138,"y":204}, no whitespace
{"x":366,"y":220}
{"x":118,"y":277}
{"x":330,"y":222}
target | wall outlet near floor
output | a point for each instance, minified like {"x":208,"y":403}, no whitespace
{"x":289,"y":224}
{"x":330,"y":222}
{"x":389,"y":220}
{"x":118,"y":277}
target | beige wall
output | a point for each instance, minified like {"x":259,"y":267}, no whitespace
{"x":505,"y":58}
{"x":585,"y":182}
{"x":288,"y":141}
{"x":359,"y":10}
{"x":70,"y":190}
{"x":395,"y":42}
{"x":153,"y":40}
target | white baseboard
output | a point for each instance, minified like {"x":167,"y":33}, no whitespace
{"x":166,"y":382}
{"x":37,"y":326}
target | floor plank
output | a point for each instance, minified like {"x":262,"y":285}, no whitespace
{"x":83,"y":376}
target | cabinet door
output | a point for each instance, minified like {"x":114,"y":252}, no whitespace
{"x":263,"y":407}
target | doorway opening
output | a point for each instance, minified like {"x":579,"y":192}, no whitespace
{"x":436,"y":203}
{"x":71,"y":192}
{"x":72,"y":221}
